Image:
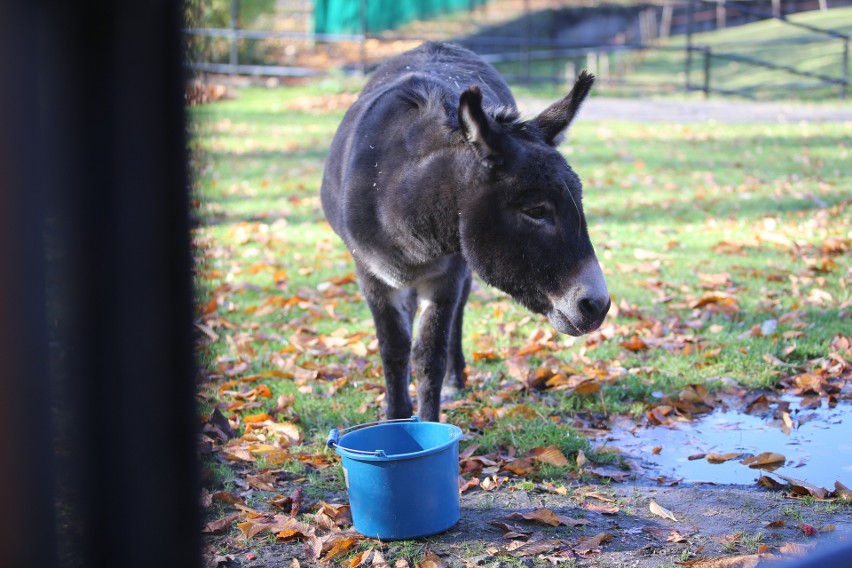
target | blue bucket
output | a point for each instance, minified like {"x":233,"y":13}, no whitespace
{"x":402,"y":477}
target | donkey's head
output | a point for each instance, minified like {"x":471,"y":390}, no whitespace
{"x":522,"y":226}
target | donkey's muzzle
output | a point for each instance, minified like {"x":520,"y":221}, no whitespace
{"x":595,"y":308}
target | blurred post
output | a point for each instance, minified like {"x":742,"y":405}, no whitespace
{"x":234,"y":59}
{"x":690,"y":11}
{"x":27,"y":528}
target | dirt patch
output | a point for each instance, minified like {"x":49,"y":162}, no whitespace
{"x":711,"y":521}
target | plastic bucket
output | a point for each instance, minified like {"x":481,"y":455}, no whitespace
{"x":402,"y":477}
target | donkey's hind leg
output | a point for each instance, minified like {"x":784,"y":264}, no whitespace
{"x":454,"y":380}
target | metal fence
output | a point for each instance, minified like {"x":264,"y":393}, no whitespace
{"x":530,"y":47}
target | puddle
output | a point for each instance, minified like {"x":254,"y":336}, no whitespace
{"x":817,"y":450}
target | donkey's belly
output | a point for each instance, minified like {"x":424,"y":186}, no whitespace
{"x":398,"y":275}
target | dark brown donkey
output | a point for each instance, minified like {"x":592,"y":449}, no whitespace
{"x":433,"y":175}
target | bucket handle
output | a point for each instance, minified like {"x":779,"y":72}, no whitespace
{"x":335,"y":434}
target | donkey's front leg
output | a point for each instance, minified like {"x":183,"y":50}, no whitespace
{"x":393,"y":318}
{"x":439,"y":299}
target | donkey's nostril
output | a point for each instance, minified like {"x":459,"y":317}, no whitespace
{"x":594,"y":308}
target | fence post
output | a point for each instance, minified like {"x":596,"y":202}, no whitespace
{"x":707,"y":58}
{"x":845,"y":68}
{"x":362,"y":49}
{"x":690,"y":8}
{"x":235,"y":17}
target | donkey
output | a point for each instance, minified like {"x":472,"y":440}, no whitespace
{"x":432,"y":175}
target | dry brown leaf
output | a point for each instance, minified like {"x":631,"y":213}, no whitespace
{"x":222,"y":525}
{"x":341,"y":547}
{"x":252,"y":528}
{"x":634,"y":344}
{"x":255,"y":418}
{"x":587,"y":387}
{"x":548,"y":517}
{"x":431,"y":560}
{"x":550,"y":454}
{"x":592,"y":544}
{"x":360,"y":559}
{"x":764,"y":460}
{"x":520,"y":467}
{"x":581,"y":459}
{"x":767,"y":481}
{"x":379,"y":560}
{"x":661,"y":511}
{"x":741,"y":561}
{"x":545,"y":516}
{"x":800,"y":487}
{"x":842,"y":491}
{"x":775,"y":524}
{"x":722,"y":458}
{"x":603,"y":509}
{"x":795,"y":549}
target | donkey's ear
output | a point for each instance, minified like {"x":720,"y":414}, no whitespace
{"x":474,"y":124}
{"x":555,"y":119}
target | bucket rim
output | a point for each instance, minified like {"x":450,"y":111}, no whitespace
{"x":379,"y":455}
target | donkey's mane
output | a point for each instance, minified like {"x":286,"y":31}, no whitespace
{"x":432,"y":98}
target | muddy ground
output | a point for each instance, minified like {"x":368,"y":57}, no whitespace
{"x":712,"y":521}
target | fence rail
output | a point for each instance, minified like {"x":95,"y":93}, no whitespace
{"x":525,"y":50}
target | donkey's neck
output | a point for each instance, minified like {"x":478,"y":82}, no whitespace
{"x":428,"y":202}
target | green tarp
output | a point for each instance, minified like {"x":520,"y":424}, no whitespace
{"x":344,"y":16}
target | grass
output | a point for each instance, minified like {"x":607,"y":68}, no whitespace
{"x":663,"y":70}
{"x":676,"y":212}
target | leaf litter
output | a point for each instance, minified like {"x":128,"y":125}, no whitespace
{"x":277,"y":325}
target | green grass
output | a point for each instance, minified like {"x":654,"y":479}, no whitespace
{"x":660,"y":198}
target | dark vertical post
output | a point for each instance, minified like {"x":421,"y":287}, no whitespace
{"x":235,"y":24}
{"x":112,"y":159}
{"x":362,"y":48}
{"x":845,"y":68}
{"x":690,"y":9}
{"x":527,"y":39}
{"x":708,"y":55}
{"x":27,"y":530}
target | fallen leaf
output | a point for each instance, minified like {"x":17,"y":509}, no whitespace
{"x":592,"y":544}
{"x":767,"y":481}
{"x":661,"y":511}
{"x":603,"y":509}
{"x":795,"y":549}
{"x":548,"y":517}
{"x":741,"y":561}
{"x":842,"y":491}
{"x":296,"y":498}
{"x":379,"y":560}
{"x":765,"y":459}
{"x":222,"y":525}
{"x":634,"y":344}
{"x":722,"y":458}
{"x":431,"y":560}
{"x":808,"y":530}
{"x":255,"y":418}
{"x":581,"y":459}
{"x":341,"y":548}
{"x":550,"y":454}
{"x":800,"y":487}
{"x":775,"y":524}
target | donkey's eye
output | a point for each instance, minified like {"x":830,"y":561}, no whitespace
{"x":538,"y":213}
